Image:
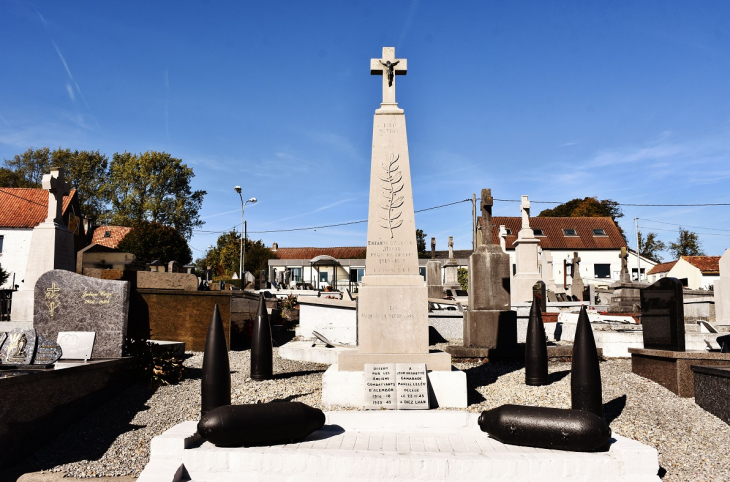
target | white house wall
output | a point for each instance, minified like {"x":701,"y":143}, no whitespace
{"x":14,"y":258}
{"x":683,"y":269}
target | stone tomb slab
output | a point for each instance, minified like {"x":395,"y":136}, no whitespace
{"x":712,"y":390}
{"x":66,"y":301}
{"x":411,"y":386}
{"x":386,"y":445}
{"x":76,"y":345}
{"x":380,"y":388}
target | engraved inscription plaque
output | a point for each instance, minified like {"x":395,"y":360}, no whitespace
{"x":412,"y":386}
{"x":380,"y":386}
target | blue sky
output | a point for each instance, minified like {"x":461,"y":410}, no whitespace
{"x":621,"y":100}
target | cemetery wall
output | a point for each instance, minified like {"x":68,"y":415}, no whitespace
{"x":177,"y":315}
{"x":14,"y":256}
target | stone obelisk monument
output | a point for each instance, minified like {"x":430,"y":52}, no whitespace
{"x":392,"y":318}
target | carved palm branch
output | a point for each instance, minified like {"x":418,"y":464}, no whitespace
{"x":389,"y":199}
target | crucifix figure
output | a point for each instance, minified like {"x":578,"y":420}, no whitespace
{"x":55,"y":183}
{"x":487,"y":203}
{"x":433,"y":248}
{"x":525,"y":207}
{"x":388,"y":67}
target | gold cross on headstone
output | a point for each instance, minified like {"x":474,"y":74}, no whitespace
{"x":389,"y":67}
{"x":53,"y":290}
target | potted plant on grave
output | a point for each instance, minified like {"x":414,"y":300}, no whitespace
{"x":290,"y":308}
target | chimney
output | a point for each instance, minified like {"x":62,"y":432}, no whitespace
{"x":274,"y":247}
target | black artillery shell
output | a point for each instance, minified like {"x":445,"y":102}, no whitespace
{"x":260,"y":424}
{"x":536,"y":359}
{"x":262,"y":353}
{"x":550,"y":428}
{"x":215,"y":384}
{"x":585,"y":377}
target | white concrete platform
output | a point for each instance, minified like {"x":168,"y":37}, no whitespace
{"x":304,"y":351}
{"x":370,"y":446}
{"x":447,"y":389}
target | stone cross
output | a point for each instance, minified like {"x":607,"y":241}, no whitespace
{"x":503,"y":237}
{"x":55,"y":183}
{"x":624,"y":255}
{"x":433,"y":248}
{"x":451,"y":247}
{"x":487,"y":203}
{"x":576,"y":265}
{"x":388,"y":67}
{"x":525,"y":207}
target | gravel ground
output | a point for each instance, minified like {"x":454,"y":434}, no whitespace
{"x":114,"y":440}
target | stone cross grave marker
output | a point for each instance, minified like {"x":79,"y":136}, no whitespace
{"x":662,"y":315}
{"x":56,"y":184}
{"x":487,"y":203}
{"x":624,"y":255}
{"x":525,"y":211}
{"x":433,"y":248}
{"x":451,"y":247}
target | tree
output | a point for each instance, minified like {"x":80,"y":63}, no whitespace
{"x":463,"y":277}
{"x":150,"y":241}
{"x":651,"y":246}
{"x":421,"y":243}
{"x":4,"y":275}
{"x":10,"y":178}
{"x":31,"y":165}
{"x":587,"y":207}
{"x":155,"y":187}
{"x":87,"y":172}
{"x":225,"y":257}
{"x":688,"y":244}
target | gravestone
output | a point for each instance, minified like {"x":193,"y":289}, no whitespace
{"x":662,"y":315}
{"x":490,"y":327}
{"x":51,"y":246}
{"x":174,"y":267}
{"x":262,"y":280}
{"x":539,"y":291}
{"x":722,"y":291}
{"x":546,"y":263}
{"x":503,"y":237}
{"x":527,"y":272}
{"x":76,"y":345}
{"x":625,"y":277}
{"x":433,"y":274}
{"x":451,"y":269}
{"x":66,"y":301}
{"x":380,"y":386}
{"x":577,"y":286}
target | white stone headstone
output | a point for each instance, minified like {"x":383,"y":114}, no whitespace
{"x":76,"y":345}
{"x":411,"y":386}
{"x":380,"y":386}
{"x":526,"y":259}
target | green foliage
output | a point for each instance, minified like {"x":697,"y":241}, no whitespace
{"x":153,"y":186}
{"x":4,"y":275}
{"x":10,"y":178}
{"x":30,"y":166}
{"x":421,"y":243}
{"x":687,"y":244}
{"x":463,"y":277}
{"x":290,"y":303}
{"x":587,"y":207}
{"x":651,"y":246}
{"x":225,"y":257}
{"x":150,"y":241}
{"x":87,"y":173}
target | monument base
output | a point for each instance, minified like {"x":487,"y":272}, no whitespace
{"x":673,"y":369}
{"x":347,"y":388}
{"x":386,"y":445}
{"x":516,"y":353}
{"x":354,"y":361}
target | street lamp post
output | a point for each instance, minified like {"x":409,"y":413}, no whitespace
{"x":243,"y":245}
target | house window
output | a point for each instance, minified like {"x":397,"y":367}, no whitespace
{"x":422,"y":271}
{"x":356,"y":274}
{"x":538,"y":232}
{"x":507,"y":231}
{"x":107,"y":234}
{"x":633,"y":274}
{"x":599,"y":232}
{"x":2,"y":238}
{"x":296,"y":274}
{"x":602,"y":270}
{"x":324,"y":277}
{"x":514,"y":269}
{"x":570,"y":232}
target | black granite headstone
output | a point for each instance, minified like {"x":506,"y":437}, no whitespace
{"x":662,"y":315}
{"x":66,"y":301}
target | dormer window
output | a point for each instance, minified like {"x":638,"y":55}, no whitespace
{"x":569,"y":232}
{"x":538,"y":232}
{"x":599,"y":232}
{"x":508,"y":231}
{"x":107,"y":234}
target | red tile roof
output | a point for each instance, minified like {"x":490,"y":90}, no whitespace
{"x":706,"y":264}
{"x":555,"y":238}
{"x":116,"y":234}
{"x":26,"y":207}
{"x":310,"y":253}
{"x":662,"y":267}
